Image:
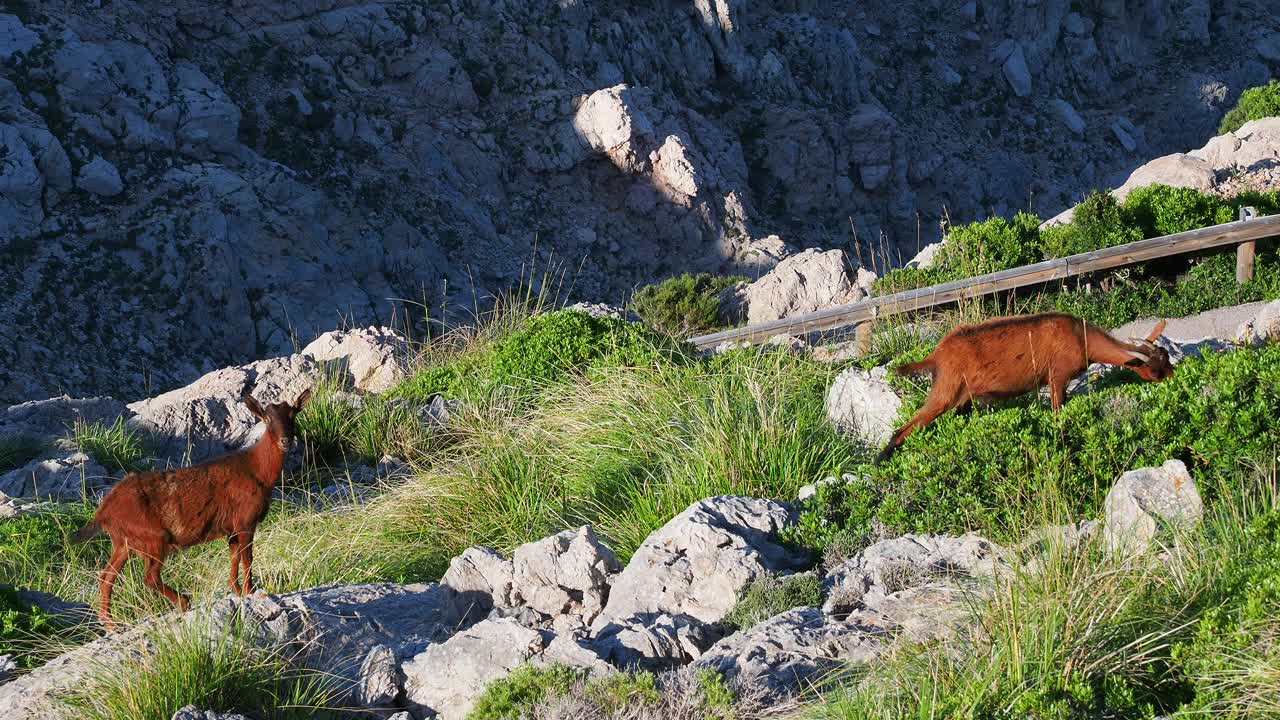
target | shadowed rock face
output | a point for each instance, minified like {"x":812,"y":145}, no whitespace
{"x":191,"y":185}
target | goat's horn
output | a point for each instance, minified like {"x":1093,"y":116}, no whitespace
{"x":1141,"y":356}
{"x":1155,"y":331}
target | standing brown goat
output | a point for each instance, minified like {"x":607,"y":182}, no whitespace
{"x":151,"y":513}
{"x":1009,"y":356}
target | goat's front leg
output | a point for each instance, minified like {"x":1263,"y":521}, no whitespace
{"x":233,"y":550}
{"x":246,"y":560}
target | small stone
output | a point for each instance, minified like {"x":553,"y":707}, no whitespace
{"x":1068,"y":115}
{"x":100,"y":177}
{"x":1017,"y":73}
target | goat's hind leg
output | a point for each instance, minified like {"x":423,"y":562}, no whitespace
{"x":107,"y":581}
{"x":940,"y":400}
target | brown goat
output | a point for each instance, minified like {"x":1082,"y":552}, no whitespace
{"x":1009,"y":356}
{"x":152,"y":513}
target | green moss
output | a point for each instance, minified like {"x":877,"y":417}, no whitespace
{"x":1254,"y":103}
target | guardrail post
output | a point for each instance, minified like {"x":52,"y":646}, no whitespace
{"x":862,"y":338}
{"x":1246,"y":251}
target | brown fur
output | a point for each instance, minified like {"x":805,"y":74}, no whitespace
{"x":1009,"y":356}
{"x":150,"y":514}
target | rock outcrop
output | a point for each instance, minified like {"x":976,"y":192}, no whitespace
{"x":1147,"y":501}
{"x":237,"y":175}
{"x":864,"y":405}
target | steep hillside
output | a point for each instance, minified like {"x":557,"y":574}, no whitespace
{"x":189,"y":184}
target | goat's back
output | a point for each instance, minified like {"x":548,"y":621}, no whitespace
{"x":1012,"y":355}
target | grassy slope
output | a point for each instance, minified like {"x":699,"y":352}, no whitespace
{"x":567,"y":421}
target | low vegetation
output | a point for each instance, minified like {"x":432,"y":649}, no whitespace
{"x":1173,"y":287}
{"x":565,"y":419}
{"x":685,"y":305}
{"x":1093,"y":634}
{"x":18,"y":450}
{"x":223,"y":669}
{"x":116,"y":446}
{"x":770,"y":594}
{"x":1254,"y":103}
{"x":554,"y":692}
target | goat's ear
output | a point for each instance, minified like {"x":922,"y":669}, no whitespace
{"x":1155,"y":331}
{"x":254,"y":407}
{"x":1135,"y":362}
{"x":302,"y":399}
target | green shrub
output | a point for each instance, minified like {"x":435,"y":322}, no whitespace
{"x":770,"y":595}
{"x":1254,"y":103}
{"x":331,"y":428}
{"x":543,"y":349}
{"x":1097,"y":222}
{"x":522,"y":689}
{"x":986,"y":470}
{"x":991,"y":245}
{"x":688,"y":304}
{"x":18,"y":450}
{"x":116,"y":447}
{"x":1163,"y":210}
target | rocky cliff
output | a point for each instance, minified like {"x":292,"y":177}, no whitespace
{"x":190,"y":184}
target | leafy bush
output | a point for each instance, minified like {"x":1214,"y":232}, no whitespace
{"x":991,"y":245}
{"x":18,"y":450}
{"x":1254,"y":103}
{"x":769,"y":595}
{"x":973,"y":472}
{"x":116,"y":447}
{"x":524,"y":687}
{"x":684,"y":305}
{"x":1162,"y":210}
{"x":1098,"y":222}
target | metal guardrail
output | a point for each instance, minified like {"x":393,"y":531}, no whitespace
{"x":1243,"y":233}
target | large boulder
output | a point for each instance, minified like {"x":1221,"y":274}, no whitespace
{"x":862,"y":403}
{"x":373,"y":359}
{"x":1263,"y":327}
{"x":1178,"y":170}
{"x":653,"y":641}
{"x":1147,"y":500}
{"x":447,"y":677}
{"x":784,"y":653}
{"x":52,"y":419}
{"x":565,"y":576}
{"x":612,"y":122}
{"x":208,"y":418}
{"x":698,"y":562}
{"x":808,"y":281}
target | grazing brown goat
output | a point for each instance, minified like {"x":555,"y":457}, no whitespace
{"x":1009,"y":356}
{"x":152,"y":513}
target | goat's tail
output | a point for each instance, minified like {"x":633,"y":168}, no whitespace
{"x":926,"y":365}
{"x":90,"y":530}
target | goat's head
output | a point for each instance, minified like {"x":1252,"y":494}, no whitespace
{"x":1150,"y":361}
{"x":279,"y":417}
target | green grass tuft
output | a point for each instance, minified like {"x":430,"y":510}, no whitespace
{"x":223,"y":670}
{"x":18,"y":450}
{"x":116,"y":447}
{"x":770,"y":595}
